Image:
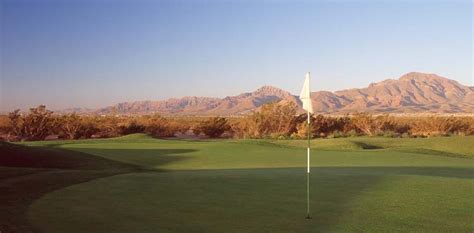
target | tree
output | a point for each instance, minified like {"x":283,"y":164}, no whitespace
{"x":71,"y":125}
{"x":16,"y":122}
{"x":37,"y":125}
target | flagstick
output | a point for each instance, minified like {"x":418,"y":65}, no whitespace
{"x":305,"y":98}
{"x":308,"y":166}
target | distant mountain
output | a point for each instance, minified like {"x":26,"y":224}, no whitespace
{"x":191,"y":105}
{"x":412,"y":93}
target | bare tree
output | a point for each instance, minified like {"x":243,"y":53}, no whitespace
{"x":38,"y":124}
{"x":71,"y":125}
{"x":16,"y":122}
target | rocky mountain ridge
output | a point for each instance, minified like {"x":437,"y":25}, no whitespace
{"x":411,"y":93}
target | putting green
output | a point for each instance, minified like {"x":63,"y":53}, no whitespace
{"x":260,"y":186}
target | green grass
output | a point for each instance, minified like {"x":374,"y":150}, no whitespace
{"x":448,"y":146}
{"x":140,"y":184}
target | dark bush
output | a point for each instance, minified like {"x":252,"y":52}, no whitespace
{"x":131,"y":128}
{"x":213,"y":127}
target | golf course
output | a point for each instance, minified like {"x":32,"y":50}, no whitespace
{"x":137,"y":183}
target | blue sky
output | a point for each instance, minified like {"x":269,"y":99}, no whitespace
{"x":84,"y":53}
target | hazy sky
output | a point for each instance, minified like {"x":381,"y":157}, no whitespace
{"x":84,"y":53}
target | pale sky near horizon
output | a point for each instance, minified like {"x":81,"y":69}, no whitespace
{"x":94,"y":53}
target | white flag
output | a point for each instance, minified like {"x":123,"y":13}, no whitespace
{"x":305,"y":95}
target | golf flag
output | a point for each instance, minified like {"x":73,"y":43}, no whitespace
{"x":305,"y":95}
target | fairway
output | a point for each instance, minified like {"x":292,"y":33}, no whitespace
{"x":358,"y":185}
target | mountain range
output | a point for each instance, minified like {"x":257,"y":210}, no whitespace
{"x":411,"y":93}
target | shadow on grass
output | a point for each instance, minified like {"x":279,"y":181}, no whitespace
{"x":151,"y":159}
{"x":14,"y":155}
{"x":27,"y":173}
{"x":366,"y":146}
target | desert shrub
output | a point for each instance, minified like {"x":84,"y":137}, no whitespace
{"x":272,"y":119}
{"x":405,"y":135}
{"x":278,"y":136}
{"x":89,"y":127}
{"x":336,"y":134}
{"x":159,"y":126}
{"x":70,"y":125}
{"x":73,"y":126}
{"x":131,"y":127}
{"x":4,"y":124}
{"x":352,"y":133}
{"x":275,"y":120}
{"x":323,"y":126}
{"x":243,"y":127}
{"x":301,"y":130}
{"x":16,"y":123}
{"x":470,"y":122}
{"x":401,"y":128}
{"x":36,"y":125}
{"x":439,"y":126}
{"x":372,"y":126}
{"x":213,"y":127}
{"x":108,"y":126}
{"x":390,"y":134}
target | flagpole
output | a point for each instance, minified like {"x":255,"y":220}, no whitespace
{"x":305,"y":98}
{"x":308,"y":216}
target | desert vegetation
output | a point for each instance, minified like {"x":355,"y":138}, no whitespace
{"x":274,"y":120}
